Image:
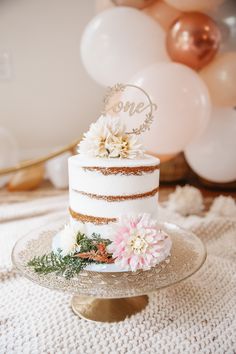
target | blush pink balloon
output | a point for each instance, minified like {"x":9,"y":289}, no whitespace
{"x":194,"y":5}
{"x":101,"y":5}
{"x":137,"y":4}
{"x":183,"y":106}
{"x":212,"y":156}
{"x":163,"y":13}
{"x":220,"y":77}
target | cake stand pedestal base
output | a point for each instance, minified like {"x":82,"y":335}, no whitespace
{"x":107,"y":310}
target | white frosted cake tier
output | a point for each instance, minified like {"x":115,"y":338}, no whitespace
{"x":103,"y":189}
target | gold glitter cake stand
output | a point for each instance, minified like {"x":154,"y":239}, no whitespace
{"x":112,"y":296}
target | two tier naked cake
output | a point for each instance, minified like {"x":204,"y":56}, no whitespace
{"x":103,"y":189}
{"x":113,"y":188}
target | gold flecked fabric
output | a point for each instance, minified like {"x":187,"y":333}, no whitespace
{"x":195,"y":316}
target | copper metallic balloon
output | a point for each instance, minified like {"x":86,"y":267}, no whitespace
{"x":138,"y":4}
{"x":193,"y":40}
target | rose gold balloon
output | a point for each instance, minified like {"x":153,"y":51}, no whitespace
{"x":163,"y":13}
{"x":138,"y":4}
{"x":220,"y":77}
{"x":193,"y":40}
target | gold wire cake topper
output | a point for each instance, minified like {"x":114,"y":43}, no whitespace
{"x":116,"y":106}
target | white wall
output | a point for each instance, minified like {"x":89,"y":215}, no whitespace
{"x":49,"y":99}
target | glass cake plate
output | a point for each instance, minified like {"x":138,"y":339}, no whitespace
{"x":111,"y":296}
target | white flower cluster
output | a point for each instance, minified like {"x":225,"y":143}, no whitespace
{"x":107,"y":138}
{"x":65,"y":240}
{"x":186,"y":200}
{"x":223,"y":206}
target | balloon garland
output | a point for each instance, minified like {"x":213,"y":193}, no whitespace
{"x":183,"y":52}
{"x":129,"y":42}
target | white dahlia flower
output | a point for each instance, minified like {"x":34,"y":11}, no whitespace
{"x":107,"y":138}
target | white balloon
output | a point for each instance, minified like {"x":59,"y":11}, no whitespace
{"x":119,"y":42}
{"x":8,"y":153}
{"x":57,"y":171}
{"x":213,"y":155}
{"x":183,"y":106}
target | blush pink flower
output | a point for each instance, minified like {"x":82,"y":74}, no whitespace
{"x":138,"y":242}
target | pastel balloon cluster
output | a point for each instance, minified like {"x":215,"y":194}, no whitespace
{"x":183,"y":53}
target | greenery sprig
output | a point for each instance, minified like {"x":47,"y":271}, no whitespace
{"x":91,"y":250}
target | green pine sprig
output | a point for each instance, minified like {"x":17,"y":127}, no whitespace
{"x":67,"y":266}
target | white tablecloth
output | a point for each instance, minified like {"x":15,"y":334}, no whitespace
{"x":196,"y":316}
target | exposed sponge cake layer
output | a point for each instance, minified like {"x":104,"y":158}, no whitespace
{"x":103,"y":189}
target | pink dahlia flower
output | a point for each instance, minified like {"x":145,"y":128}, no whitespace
{"x":138,"y":242}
